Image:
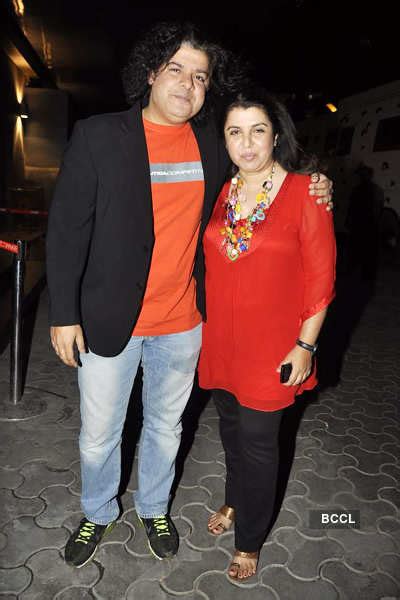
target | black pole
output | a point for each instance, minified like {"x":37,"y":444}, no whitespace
{"x":18,"y":294}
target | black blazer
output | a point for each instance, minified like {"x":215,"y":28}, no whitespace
{"x":100,"y":234}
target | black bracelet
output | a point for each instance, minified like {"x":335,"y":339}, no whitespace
{"x":311,"y":348}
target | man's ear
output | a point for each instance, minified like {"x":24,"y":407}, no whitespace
{"x":151,"y":78}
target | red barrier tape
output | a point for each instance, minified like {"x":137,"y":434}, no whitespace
{"x":23,"y":211}
{"x":9,"y":247}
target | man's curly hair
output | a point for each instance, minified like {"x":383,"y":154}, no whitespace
{"x":156,"y":47}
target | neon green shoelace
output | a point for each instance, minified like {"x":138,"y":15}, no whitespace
{"x":161,"y":525}
{"x":86,"y":532}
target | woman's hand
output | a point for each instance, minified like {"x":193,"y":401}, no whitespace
{"x":301,"y":360}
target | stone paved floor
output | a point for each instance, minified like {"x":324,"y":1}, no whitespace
{"x":346,"y":457}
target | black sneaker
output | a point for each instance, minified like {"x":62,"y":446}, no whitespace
{"x":83,"y":542}
{"x":163,"y":536}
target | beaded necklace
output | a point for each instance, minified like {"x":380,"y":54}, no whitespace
{"x":238,"y":232}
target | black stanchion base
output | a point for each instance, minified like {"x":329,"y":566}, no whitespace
{"x":31,"y":404}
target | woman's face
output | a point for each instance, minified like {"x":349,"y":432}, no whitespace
{"x":249,"y":139}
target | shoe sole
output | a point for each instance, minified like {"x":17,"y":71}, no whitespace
{"x":150,"y":548}
{"x":106,"y":532}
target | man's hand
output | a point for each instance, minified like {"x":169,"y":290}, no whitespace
{"x":322,"y":187}
{"x":63,"y":340}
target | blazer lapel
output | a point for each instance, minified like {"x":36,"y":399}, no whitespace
{"x":207,"y":142}
{"x":137,"y":169}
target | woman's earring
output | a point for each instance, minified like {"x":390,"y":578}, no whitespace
{"x":275,"y":141}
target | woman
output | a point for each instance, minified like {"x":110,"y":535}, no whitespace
{"x":270,"y":268}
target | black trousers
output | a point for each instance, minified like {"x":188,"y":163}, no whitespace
{"x":250,"y":441}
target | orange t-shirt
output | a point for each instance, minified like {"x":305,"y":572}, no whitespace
{"x":177,"y":187}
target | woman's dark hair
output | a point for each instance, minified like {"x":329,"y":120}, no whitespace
{"x":287,"y":151}
{"x":156,"y":47}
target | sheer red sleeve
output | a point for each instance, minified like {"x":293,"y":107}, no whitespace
{"x":318,"y":250}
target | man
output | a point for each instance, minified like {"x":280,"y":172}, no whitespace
{"x":363,"y":220}
{"x":126,"y":270}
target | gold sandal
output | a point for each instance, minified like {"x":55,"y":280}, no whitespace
{"x":226,"y":511}
{"x":238,"y":566}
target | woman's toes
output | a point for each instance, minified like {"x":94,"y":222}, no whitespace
{"x":233,"y":572}
{"x":217,"y":524}
{"x":243,"y":570}
{"x":212,"y":523}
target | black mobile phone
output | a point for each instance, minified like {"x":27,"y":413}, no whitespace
{"x":77,"y":355}
{"x":286,"y":369}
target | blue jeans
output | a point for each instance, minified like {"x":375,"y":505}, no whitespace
{"x":169,"y":363}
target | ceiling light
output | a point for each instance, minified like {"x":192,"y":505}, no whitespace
{"x":331,"y":107}
{"x":23,"y":110}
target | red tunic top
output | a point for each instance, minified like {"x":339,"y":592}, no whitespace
{"x":256,"y":305}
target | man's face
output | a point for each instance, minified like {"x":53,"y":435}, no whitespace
{"x":178,"y":88}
